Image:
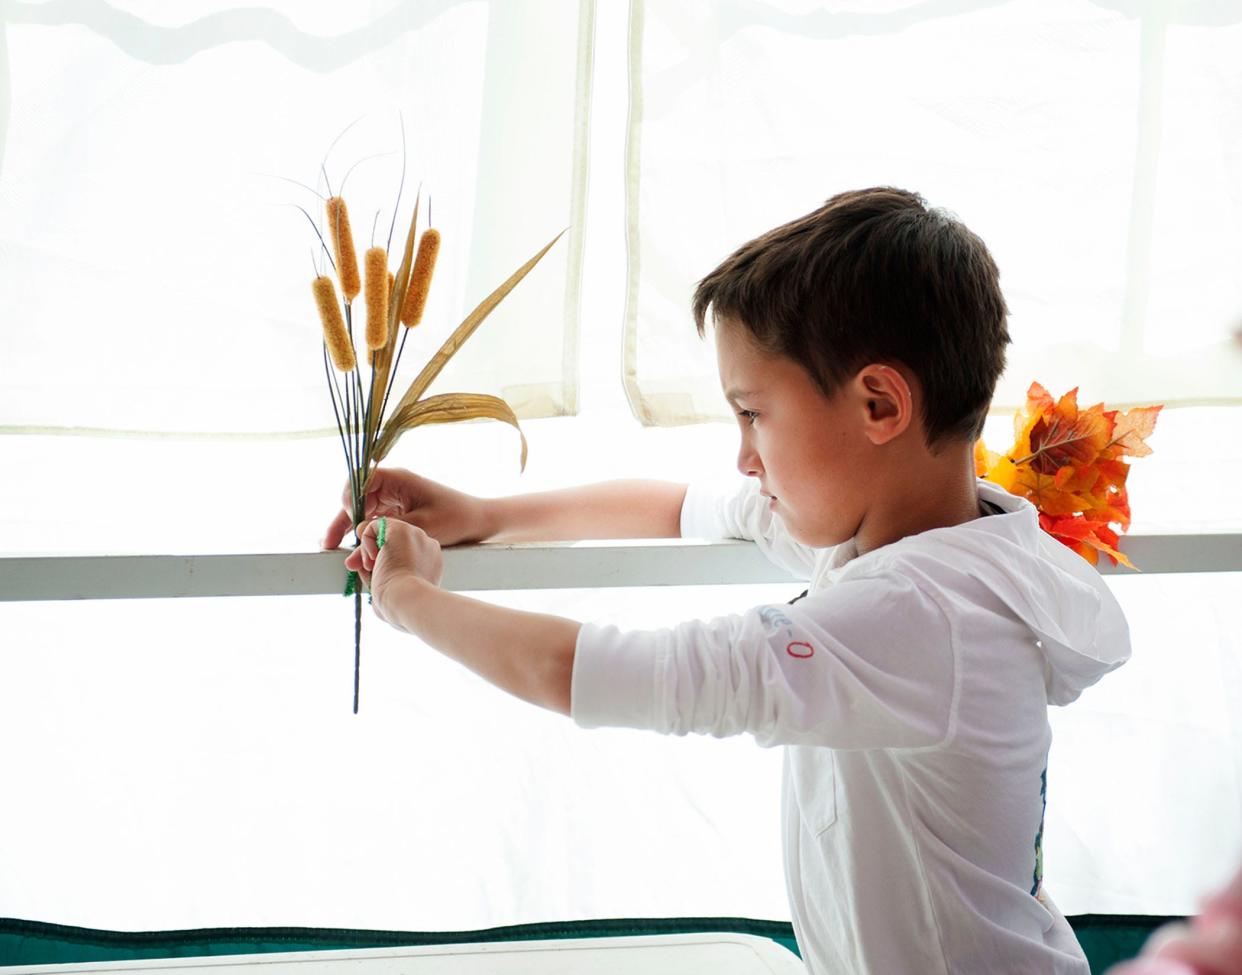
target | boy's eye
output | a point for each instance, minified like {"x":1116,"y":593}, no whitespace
{"x":748,"y":415}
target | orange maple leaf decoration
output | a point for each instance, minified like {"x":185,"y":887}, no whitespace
{"x":1067,"y":462}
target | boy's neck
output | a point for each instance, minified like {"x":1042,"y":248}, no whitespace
{"x":933,"y":491}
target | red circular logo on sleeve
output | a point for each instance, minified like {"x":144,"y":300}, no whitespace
{"x":799,"y":649}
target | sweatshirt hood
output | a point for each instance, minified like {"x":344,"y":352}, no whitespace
{"x":1053,"y":590}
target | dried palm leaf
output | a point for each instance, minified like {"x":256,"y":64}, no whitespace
{"x":446,"y":408}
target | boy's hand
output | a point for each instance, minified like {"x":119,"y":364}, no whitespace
{"x":406,"y":551}
{"x":448,"y":516}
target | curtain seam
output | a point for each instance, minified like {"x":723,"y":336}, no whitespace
{"x":629,"y":356}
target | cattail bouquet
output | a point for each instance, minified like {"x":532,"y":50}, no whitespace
{"x":394,"y":303}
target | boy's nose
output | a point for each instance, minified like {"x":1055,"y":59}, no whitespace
{"x":748,"y":461}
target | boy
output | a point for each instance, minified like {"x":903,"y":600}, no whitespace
{"x":860,"y":346}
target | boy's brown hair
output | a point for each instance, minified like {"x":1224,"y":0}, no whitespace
{"x":874,"y":276}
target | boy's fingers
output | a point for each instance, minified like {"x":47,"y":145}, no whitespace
{"x":336,"y":530}
{"x":368,"y":533}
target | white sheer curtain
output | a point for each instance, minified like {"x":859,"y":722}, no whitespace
{"x":156,"y":275}
{"x":1092,"y":145}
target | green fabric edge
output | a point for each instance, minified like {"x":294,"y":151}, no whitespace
{"x":1106,"y":939}
{"x":24,"y":942}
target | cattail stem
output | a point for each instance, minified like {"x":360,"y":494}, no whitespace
{"x":359,"y":403}
{"x":343,"y":418}
{"x":357,"y":640}
{"x":392,"y":375}
{"x":349,"y":436}
{"x":322,"y":243}
{"x":366,"y":452}
{"x":349,"y":467}
{"x":400,"y":186}
{"x":364,"y":408}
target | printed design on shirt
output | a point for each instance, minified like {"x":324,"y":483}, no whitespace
{"x":1038,"y":879}
{"x":774,"y":618}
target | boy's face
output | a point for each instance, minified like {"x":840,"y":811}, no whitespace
{"x":812,"y":455}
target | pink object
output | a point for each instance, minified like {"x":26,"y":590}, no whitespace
{"x":1210,"y":944}
{"x":1227,"y":902}
{"x":1153,"y":966}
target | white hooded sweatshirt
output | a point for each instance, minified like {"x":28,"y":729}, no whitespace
{"x":910,"y":687}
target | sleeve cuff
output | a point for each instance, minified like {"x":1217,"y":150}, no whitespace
{"x":614,"y":678}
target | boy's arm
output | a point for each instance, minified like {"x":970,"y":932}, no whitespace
{"x":529,"y":655}
{"x":866,"y":663}
{"x":612,"y":509}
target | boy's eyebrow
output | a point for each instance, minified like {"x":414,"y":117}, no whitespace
{"x":733,"y":395}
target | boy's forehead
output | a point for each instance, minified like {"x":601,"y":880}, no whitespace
{"x":736,"y":351}
{"x":741,"y":376}
{"x":746,"y":372}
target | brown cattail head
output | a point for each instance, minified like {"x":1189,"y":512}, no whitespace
{"x":334,"y":333}
{"x":376,"y":263}
{"x":343,"y":248}
{"x":420,"y":278}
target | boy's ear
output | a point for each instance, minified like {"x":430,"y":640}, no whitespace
{"x":888,"y":399}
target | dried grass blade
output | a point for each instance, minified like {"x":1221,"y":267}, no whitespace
{"x":466,"y":329}
{"x":447,"y":408}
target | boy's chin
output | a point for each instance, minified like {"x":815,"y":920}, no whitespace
{"x":812,"y":536}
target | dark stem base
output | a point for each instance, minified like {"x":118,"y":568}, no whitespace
{"x":357,"y":639}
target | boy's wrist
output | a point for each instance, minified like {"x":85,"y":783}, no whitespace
{"x":405,"y":596}
{"x":491,"y":518}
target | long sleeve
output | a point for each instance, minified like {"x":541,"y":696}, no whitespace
{"x":867,"y":663}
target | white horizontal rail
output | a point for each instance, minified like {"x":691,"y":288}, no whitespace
{"x":544,"y":565}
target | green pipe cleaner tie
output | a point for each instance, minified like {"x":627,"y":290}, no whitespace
{"x":351,"y":577}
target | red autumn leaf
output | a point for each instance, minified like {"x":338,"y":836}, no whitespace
{"x":1068,"y":436}
{"x":1038,"y":399}
{"x":1112,"y":473}
{"x":1067,"y":462}
{"x":1087,"y":538}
